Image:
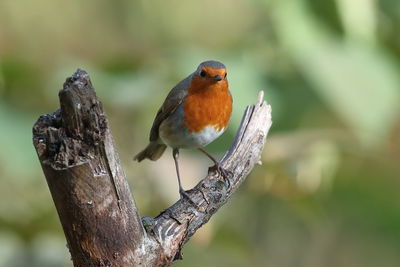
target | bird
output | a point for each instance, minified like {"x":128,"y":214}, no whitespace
{"x":195,"y":112}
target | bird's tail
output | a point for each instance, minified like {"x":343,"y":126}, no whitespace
{"x":153,"y":152}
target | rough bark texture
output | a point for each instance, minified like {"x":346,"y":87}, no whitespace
{"x":96,"y":209}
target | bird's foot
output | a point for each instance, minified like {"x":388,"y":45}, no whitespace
{"x":184,"y":195}
{"x":221,"y":171}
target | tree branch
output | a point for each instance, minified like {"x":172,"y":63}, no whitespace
{"x":98,"y":214}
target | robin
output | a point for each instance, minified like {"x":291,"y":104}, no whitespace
{"x":196,"y":112}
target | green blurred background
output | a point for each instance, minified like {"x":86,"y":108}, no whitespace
{"x":327,"y":193}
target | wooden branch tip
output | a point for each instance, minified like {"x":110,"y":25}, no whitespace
{"x":92,"y":197}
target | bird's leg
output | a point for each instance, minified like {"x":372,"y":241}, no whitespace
{"x":175,"y":154}
{"x":217,"y":166}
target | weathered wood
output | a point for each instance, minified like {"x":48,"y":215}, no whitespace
{"x":82,"y":168}
{"x":93,"y":200}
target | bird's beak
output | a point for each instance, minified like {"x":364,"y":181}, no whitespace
{"x":217,"y":78}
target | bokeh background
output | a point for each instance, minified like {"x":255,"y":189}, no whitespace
{"x":327,"y":193}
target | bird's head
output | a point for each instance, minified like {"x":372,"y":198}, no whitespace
{"x":211,"y":71}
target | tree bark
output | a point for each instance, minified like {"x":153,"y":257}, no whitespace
{"x":92,"y":197}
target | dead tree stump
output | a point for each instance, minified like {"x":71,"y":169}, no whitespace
{"x":92,"y":197}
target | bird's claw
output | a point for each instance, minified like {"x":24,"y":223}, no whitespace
{"x":184,"y":194}
{"x":223,"y":172}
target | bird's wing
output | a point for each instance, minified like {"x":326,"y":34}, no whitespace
{"x":171,"y":102}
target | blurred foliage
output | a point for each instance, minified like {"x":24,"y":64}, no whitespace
{"x":326,"y":194}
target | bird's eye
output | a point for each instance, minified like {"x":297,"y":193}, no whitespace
{"x":225,"y":74}
{"x":203,"y":73}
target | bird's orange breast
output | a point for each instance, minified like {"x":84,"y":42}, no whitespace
{"x":207,"y":105}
